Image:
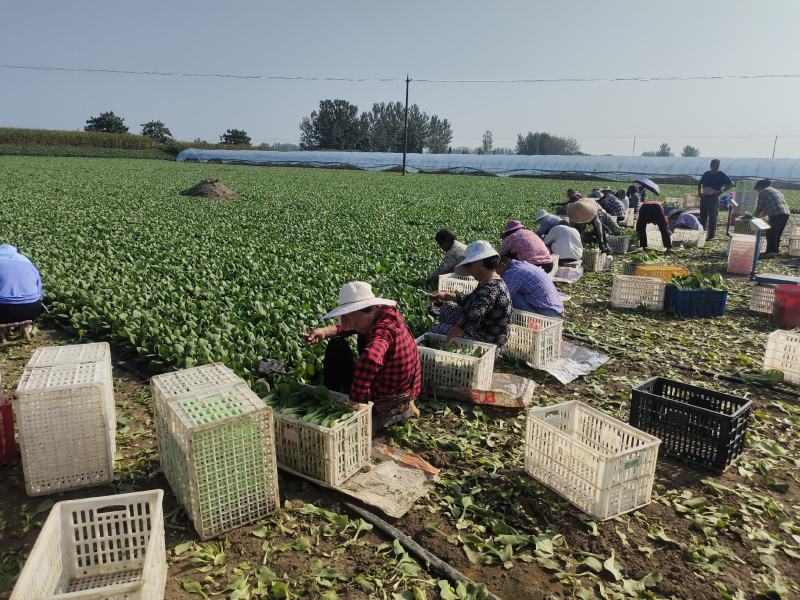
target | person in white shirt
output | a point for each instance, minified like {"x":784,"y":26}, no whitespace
{"x":623,"y":197}
{"x":565,"y":241}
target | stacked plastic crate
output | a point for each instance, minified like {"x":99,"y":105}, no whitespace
{"x":217,"y":447}
{"x":111,"y":547}
{"x":741,"y":250}
{"x":794,"y":242}
{"x":66,"y":418}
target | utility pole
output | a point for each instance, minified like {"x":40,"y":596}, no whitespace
{"x":405,"y":128}
{"x":633,"y":153}
{"x":538,"y":137}
{"x":773,"y":146}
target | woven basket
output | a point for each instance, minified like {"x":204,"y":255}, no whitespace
{"x":618,"y":244}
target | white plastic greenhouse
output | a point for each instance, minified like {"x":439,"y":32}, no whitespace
{"x":621,"y":168}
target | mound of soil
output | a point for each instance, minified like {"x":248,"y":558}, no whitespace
{"x":211,"y":188}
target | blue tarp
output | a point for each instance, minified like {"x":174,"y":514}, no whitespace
{"x":622,"y":168}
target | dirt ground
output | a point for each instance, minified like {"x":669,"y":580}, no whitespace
{"x":735,"y":535}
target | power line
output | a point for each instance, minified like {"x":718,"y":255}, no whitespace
{"x":399,"y":80}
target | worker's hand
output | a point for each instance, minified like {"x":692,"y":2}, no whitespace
{"x":315,"y":336}
{"x":455,"y":332}
{"x":439,"y":297}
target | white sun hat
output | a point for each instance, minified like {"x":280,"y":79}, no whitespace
{"x":354,"y":296}
{"x":540,"y":215}
{"x":475,"y":251}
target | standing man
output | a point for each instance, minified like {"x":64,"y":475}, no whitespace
{"x":771,"y":204}
{"x":711,"y":186}
{"x":454,"y":252}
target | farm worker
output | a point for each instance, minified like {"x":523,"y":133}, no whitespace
{"x":680,"y":219}
{"x":387,"y":371}
{"x":453,"y":254}
{"x":771,"y":204}
{"x":652,"y":211}
{"x":584,"y":212}
{"x":523,"y":244}
{"x":484,"y":315}
{"x":596,"y":193}
{"x":634,"y":197}
{"x":546,"y":222}
{"x":711,"y":185}
{"x":530,"y":288}
{"x":573,"y":196}
{"x":566,"y":242}
{"x":611,"y":204}
{"x":20,"y":287}
{"x":623,"y":198}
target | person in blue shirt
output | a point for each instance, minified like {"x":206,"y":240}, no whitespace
{"x":711,"y":185}
{"x":680,"y":219}
{"x":530,"y":288}
{"x":20,"y":287}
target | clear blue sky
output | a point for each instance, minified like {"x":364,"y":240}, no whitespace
{"x":441,"y":39}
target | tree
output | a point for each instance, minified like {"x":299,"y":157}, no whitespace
{"x":487,"y":143}
{"x":335,"y":126}
{"x":107,"y":122}
{"x":545,"y":143}
{"x":417,"y":130}
{"x":383,"y":127}
{"x":235,"y":137}
{"x":503,"y":151}
{"x":663,"y":150}
{"x":690,"y":151}
{"x":440,"y":134}
{"x":156,"y":130}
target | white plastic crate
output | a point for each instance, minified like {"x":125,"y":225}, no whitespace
{"x":599,"y":464}
{"x":450,"y":370}
{"x":741,"y":249}
{"x":630,"y":291}
{"x":654,"y":241}
{"x":783,"y":353}
{"x":630,"y":217}
{"x":762,"y":298}
{"x":66,"y":421}
{"x":329,"y":454}
{"x":691,"y":236}
{"x":457,"y":283}
{"x":70,"y":354}
{"x":533,"y":338}
{"x":593,"y":261}
{"x":217,"y":450}
{"x":690,"y":201}
{"x":746,"y":196}
{"x":794,"y":245}
{"x":105,"y":548}
{"x":168,"y":386}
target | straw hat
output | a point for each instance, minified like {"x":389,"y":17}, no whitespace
{"x":354,"y":296}
{"x":605,"y":188}
{"x":475,"y":251}
{"x":582,"y":211}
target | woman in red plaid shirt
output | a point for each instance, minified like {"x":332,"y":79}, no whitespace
{"x":388,"y":371}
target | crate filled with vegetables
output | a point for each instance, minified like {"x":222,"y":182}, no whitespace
{"x":534,"y":338}
{"x":320,"y":433}
{"x":697,"y":295}
{"x":648,"y":257}
{"x":594,"y":261}
{"x":450,"y":282}
{"x":461,"y":364}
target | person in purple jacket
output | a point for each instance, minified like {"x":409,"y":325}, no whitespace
{"x":20,"y":287}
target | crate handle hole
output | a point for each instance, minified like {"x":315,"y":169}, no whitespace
{"x":550,"y":413}
{"x":108,"y":509}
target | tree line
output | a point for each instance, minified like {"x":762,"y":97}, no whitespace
{"x":338,"y":125}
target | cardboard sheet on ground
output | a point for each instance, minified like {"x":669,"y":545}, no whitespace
{"x":575,"y":361}
{"x":565,"y":275}
{"x":507,"y":391}
{"x":393,"y":482}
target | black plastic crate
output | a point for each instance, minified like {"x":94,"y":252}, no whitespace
{"x":698,"y":426}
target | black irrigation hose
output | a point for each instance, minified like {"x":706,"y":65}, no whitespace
{"x":433,"y":561}
{"x":712,"y":374}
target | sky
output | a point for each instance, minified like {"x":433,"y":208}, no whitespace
{"x":441,"y":39}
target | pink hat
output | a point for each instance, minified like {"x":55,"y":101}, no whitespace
{"x":512,"y":226}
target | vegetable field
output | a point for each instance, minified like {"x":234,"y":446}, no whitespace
{"x":174,"y":281}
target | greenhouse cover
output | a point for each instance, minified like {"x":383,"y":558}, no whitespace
{"x":621,"y":168}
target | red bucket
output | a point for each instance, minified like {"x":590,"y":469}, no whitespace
{"x":786,"y":310}
{"x":8,"y":449}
